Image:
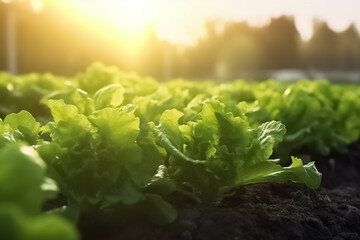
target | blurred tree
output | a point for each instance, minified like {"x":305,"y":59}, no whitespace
{"x":152,"y":59}
{"x":322,"y":50}
{"x":201,"y":59}
{"x":239,"y":52}
{"x":349,"y":47}
{"x":237,"y":58}
{"x":51,"y":41}
{"x":279,"y":43}
{"x":157,"y":58}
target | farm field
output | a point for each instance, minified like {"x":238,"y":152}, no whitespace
{"x":107,"y":154}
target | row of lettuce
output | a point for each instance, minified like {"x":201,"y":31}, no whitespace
{"x":117,"y":146}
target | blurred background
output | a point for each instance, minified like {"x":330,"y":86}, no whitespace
{"x":202,"y":39}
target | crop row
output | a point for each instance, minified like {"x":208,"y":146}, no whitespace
{"x":115,"y":146}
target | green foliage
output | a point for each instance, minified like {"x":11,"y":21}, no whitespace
{"x":107,"y":164}
{"x":20,"y":127}
{"x":98,"y":76}
{"x":16,"y":225}
{"x":313,"y":112}
{"x":25,"y":92}
{"x":121,"y":147}
{"x":112,"y":95}
{"x":23,"y":189}
{"x":22,"y":172}
{"x":219,"y":151}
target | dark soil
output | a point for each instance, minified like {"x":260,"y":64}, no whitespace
{"x":269,"y":211}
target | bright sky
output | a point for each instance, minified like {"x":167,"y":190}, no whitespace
{"x":181,"y":21}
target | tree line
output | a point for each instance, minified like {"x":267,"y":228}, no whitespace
{"x":50,"y":42}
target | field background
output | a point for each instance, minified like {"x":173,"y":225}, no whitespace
{"x":46,"y":36}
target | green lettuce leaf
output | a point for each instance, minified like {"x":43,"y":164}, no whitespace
{"x":16,"y":225}
{"x":22,"y":126}
{"x":22,"y":172}
{"x":109,"y":96}
{"x":220,"y":151}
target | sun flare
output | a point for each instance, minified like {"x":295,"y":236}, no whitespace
{"x":133,"y":16}
{"x":125,"y":22}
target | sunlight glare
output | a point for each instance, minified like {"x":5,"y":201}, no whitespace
{"x":37,"y":5}
{"x":132,"y":16}
{"x":124,"y":22}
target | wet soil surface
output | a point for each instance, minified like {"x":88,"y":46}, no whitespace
{"x":270,"y":211}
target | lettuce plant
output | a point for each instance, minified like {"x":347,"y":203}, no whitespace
{"x":23,"y":190}
{"x":219,"y":151}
